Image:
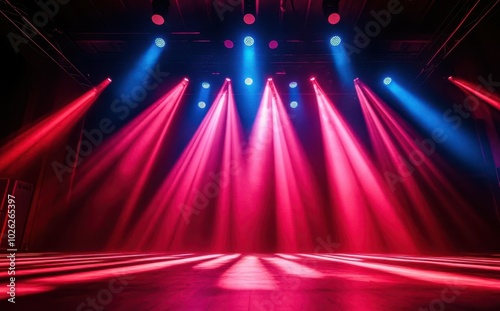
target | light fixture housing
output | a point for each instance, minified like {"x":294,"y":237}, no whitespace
{"x":160,"y":42}
{"x":160,"y":11}
{"x":249,"y":11}
{"x":249,"y":41}
{"x":335,"y":41}
{"x":331,"y":11}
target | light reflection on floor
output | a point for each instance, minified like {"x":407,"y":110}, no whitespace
{"x":126,"y":281}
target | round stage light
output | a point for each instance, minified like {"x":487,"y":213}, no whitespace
{"x":205,"y":85}
{"x":159,"y":42}
{"x":229,"y":44}
{"x":294,"y":104}
{"x":249,"y":19}
{"x":313,"y":79}
{"x":202,"y":104}
{"x":269,"y":79}
{"x":157,"y":19}
{"x":334,"y":18}
{"x":186,"y":79}
{"x":109,"y":79}
{"x":248,"y":81}
{"x":387,"y":81}
{"x":273,"y":44}
{"x":248,"y":41}
{"x":335,"y":41}
{"x":293,"y":84}
{"x":227,"y":79}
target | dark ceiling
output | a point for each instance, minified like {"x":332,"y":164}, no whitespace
{"x":100,"y":37}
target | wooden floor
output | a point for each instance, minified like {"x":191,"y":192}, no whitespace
{"x":137,"y":282}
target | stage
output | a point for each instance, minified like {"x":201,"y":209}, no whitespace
{"x":333,"y":281}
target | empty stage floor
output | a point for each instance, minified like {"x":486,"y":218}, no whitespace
{"x":156,"y":281}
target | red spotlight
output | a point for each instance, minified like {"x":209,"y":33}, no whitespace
{"x":227,"y":79}
{"x":392,"y":137}
{"x":249,"y":19}
{"x":477,"y":91}
{"x":186,"y":79}
{"x":229,"y":44}
{"x":313,"y":79}
{"x":360,"y":188}
{"x":116,"y":158}
{"x":273,"y":44}
{"x":160,"y":11}
{"x":269,"y":79}
{"x":279,"y":162}
{"x":109,"y":79}
{"x":220,"y":132}
{"x":157,"y":19}
{"x":334,"y":18}
{"x":29,"y":144}
{"x":450,"y":78}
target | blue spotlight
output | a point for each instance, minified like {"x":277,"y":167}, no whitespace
{"x":293,"y":85}
{"x":202,"y":104}
{"x":335,"y":41}
{"x":248,"y":81}
{"x":294,"y":104}
{"x":205,"y":85}
{"x":159,"y":42}
{"x":387,"y":80}
{"x":248,"y":41}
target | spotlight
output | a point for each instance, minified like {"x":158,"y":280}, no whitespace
{"x":269,"y":79}
{"x":186,"y":79}
{"x":249,"y":11}
{"x":387,"y":81}
{"x":334,"y":18}
{"x":160,"y":11}
{"x":273,"y":44}
{"x":159,"y":42}
{"x":249,"y":19}
{"x":248,"y":41}
{"x":335,"y":41}
{"x":227,"y":79}
{"x":109,"y":79}
{"x":202,"y":104}
{"x":450,"y":78}
{"x":229,"y":44}
{"x":294,"y":104}
{"x":248,"y":81}
{"x":205,"y":85}
{"x":331,"y":11}
{"x":313,"y":79}
{"x":293,"y":84}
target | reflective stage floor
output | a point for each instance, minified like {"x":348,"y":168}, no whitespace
{"x":125,"y":281}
